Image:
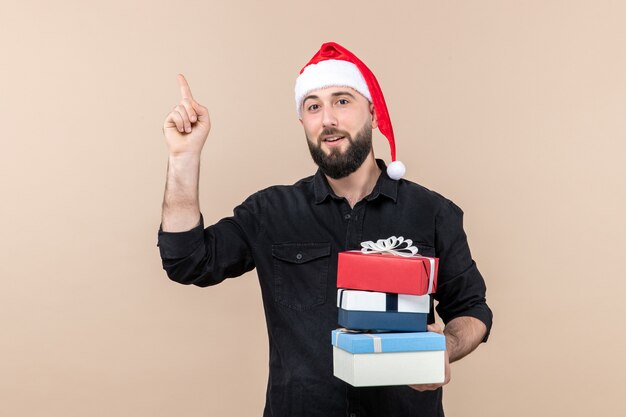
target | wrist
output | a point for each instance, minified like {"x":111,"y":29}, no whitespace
{"x":184,"y":156}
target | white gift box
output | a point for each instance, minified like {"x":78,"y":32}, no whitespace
{"x":382,"y":359}
{"x":380,"y":301}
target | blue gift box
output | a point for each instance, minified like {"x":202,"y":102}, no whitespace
{"x":388,"y":342}
{"x":385,"y":320}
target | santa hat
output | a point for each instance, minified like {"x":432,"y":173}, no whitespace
{"x":333,"y":65}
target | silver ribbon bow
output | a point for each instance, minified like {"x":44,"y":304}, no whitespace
{"x":394,"y":245}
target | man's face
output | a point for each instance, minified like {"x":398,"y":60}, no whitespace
{"x":338,"y":123}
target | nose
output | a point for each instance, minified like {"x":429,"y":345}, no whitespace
{"x":329,"y":119}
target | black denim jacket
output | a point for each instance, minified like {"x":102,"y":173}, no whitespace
{"x":291,"y":235}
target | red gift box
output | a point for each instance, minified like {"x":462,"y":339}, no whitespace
{"x":386,"y":272}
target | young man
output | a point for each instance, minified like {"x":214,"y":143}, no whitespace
{"x":292,"y":234}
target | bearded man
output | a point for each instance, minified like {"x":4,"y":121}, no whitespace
{"x":292,"y":235}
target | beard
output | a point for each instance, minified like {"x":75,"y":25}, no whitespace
{"x":336,"y":164}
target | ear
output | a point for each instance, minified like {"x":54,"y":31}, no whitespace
{"x":374,"y":118}
{"x":301,"y":122}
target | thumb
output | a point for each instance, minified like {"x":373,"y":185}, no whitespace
{"x":436,"y":328}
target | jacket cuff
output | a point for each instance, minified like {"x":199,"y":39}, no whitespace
{"x":177,"y":245}
{"x":482,"y":313}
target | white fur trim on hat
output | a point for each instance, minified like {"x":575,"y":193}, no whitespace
{"x":329,"y":73}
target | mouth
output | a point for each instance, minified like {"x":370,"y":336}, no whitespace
{"x":332,"y":139}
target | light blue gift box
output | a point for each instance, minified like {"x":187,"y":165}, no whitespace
{"x":385,"y":359}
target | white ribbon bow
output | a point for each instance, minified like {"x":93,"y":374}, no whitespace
{"x":394,"y":245}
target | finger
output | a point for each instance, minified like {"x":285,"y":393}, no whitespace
{"x":170,"y":121}
{"x":425,"y":387}
{"x":186,"y":122}
{"x":187,"y":104}
{"x":434,"y":327}
{"x":175,"y":118}
{"x":185,"y":90}
{"x":201,"y":111}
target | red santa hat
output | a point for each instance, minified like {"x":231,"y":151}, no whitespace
{"x":333,"y":65}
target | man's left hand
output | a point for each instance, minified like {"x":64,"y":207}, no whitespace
{"x":429,"y":387}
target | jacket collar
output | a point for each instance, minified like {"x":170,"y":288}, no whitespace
{"x":384,"y":186}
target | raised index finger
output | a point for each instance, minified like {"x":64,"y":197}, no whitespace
{"x":185,"y":91}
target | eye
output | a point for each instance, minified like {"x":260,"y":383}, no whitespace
{"x":313,"y":107}
{"x":343,"y":101}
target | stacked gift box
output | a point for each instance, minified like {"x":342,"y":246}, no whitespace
{"x":383,"y":299}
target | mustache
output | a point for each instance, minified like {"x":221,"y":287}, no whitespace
{"x":329,"y":131}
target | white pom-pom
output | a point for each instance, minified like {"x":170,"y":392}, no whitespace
{"x":396,"y":170}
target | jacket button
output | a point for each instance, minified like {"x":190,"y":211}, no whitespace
{"x":299,"y":256}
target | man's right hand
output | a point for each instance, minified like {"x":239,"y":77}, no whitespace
{"x":187,"y":126}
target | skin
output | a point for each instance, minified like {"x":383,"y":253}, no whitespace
{"x":187,"y":127}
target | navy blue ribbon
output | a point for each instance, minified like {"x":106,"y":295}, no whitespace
{"x":392,"y":302}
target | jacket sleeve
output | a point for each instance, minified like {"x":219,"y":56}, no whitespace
{"x":206,"y":256}
{"x":461,"y":289}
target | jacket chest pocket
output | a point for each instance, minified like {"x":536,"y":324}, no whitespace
{"x":300,"y":274}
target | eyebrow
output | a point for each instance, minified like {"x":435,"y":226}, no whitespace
{"x":335,"y":94}
{"x":343,"y":93}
